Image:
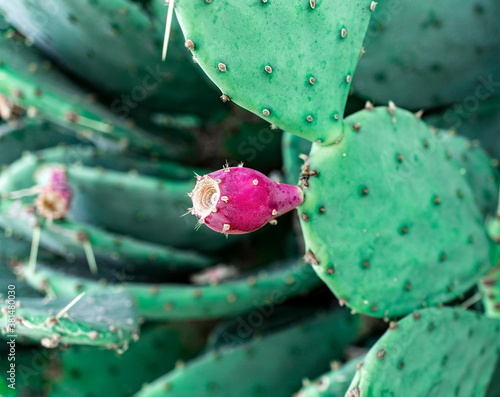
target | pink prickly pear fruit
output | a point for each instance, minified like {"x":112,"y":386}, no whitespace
{"x":237,"y":200}
{"x":54,"y":200}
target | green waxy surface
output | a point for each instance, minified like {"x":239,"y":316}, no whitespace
{"x":427,"y":54}
{"x":157,"y":351}
{"x":477,"y":168}
{"x":102,"y":319}
{"x":271,"y":361}
{"x":456,"y":348}
{"x":290,"y":62}
{"x":387,"y":209}
{"x":258,"y":289}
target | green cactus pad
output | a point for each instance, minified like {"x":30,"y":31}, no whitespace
{"x":116,"y":46}
{"x":458,"y":349}
{"x":269,"y":361}
{"x":30,"y":81}
{"x":478,"y":168}
{"x":158,"y":350}
{"x":332,"y":384}
{"x":261,"y":290}
{"x":427,"y":54}
{"x":28,"y":134}
{"x":104,"y":319}
{"x":288,"y":62}
{"x":386,"y":207}
{"x":292,"y":147}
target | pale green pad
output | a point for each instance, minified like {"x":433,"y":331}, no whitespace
{"x":235,"y":42}
{"x":433,"y":353}
{"x":390,"y":219}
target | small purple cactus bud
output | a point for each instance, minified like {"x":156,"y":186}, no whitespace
{"x":238,"y":200}
{"x":54,"y":200}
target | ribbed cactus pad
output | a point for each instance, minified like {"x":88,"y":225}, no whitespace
{"x":427,"y":54}
{"x":386,"y":208}
{"x":121,"y":54}
{"x":271,"y":360}
{"x":477,"y":167}
{"x":290,"y":62}
{"x":332,"y":384}
{"x":257,"y":289}
{"x":106,"y":319}
{"x":157,"y":351}
{"x":458,"y":347}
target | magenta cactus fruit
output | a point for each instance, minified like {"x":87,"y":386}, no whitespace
{"x":238,"y":200}
{"x":54,"y":200}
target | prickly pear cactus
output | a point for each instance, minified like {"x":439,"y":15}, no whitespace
{"x":275,"y":51}
{"x":104,"y":147}
{"x":395,"y":219}
{"x":459,"y":347}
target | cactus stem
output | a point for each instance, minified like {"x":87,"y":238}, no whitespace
{"x":168,"y":26}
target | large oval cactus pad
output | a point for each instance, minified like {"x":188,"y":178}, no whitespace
{"x":290,"y":62}
{"x":456,"y":348}
{"x":389,"y":221}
